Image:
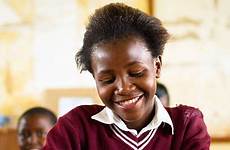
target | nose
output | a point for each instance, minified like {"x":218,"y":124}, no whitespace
{"x":33,"y":139}
{"x":124,"y":85}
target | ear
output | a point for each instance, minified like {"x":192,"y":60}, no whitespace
{"x":158,"y":64}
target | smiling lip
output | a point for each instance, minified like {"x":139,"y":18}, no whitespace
{"x":129,"y":103}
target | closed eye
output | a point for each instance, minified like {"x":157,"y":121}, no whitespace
{"x":137,"y":74}
{"x":107,"y":81}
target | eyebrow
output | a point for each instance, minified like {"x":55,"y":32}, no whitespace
{"x":133,"y":63}
{"x":105,"y":72}
{"x":110,"y":71}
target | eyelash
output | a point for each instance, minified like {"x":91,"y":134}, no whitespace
{"x":107,"y":81}
{"x":137,"y":74}
{"x":133,"y":74}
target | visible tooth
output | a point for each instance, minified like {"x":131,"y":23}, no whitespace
{"x":129,"y":101}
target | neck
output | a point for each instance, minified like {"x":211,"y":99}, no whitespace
{"x":143,"y":122}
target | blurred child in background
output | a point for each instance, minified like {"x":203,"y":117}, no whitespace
{"x":33,"y":126}
{"x":162,"y":94}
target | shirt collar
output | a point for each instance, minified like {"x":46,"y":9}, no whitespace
{"x":106,"y":116}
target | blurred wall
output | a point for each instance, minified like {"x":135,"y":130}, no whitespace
{"x":39,"y":38}
{"x":196,"y":64}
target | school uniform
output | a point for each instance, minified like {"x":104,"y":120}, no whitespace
{"x":94,"y":127}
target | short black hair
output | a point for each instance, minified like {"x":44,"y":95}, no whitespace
{"x":39,"y":111}
{"x":116,"y":21}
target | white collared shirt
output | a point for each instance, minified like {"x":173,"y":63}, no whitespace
{"x":107,"y":116}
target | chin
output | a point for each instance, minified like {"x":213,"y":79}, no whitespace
{"x":133,"y":118}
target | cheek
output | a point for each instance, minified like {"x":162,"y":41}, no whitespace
{"x":21,"y":141}
{"x":105,"y":93}
{"x":42,"y":140}
{"x":149,"y":85}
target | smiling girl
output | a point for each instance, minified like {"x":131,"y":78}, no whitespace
{"x":123,"y":49}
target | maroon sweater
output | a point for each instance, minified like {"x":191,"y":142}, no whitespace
{"x":77,"y":131}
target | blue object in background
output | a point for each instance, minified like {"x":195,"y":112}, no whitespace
{"x":4,"y":120}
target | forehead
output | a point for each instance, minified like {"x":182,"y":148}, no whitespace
{"x":120,"y":50}
{"x":34,"y":121}
{"x":130,"y":41}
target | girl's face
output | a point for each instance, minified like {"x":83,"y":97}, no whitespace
{"x":125,"y":75}
{"x":32,"y":132}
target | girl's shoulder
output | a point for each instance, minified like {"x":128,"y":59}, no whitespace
{"x":184,"y":117}
{"x":184,"y":111}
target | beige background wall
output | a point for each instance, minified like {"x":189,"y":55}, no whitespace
{"x":38,"y":40}
{"x":196,"y":61}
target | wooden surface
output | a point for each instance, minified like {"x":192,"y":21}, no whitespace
{"x":8,"y":139}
